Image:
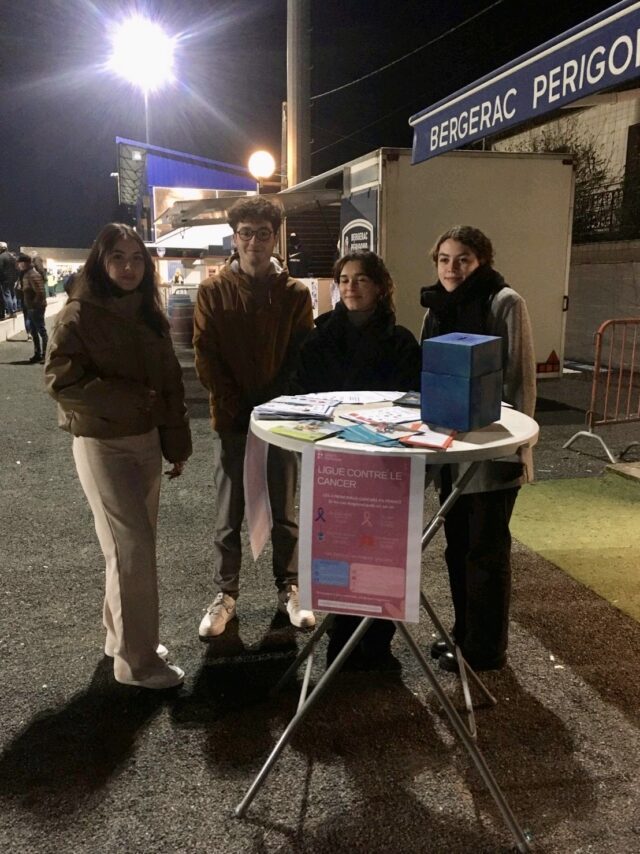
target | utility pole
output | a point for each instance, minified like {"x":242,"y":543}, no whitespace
{"x":298,"y":91}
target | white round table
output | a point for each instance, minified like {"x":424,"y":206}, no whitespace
{"x":500,"y":439}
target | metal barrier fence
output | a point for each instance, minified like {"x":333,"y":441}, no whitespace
{"x":615,"y":391}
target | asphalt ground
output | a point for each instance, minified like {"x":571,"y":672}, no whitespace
{"x":90,"y":766}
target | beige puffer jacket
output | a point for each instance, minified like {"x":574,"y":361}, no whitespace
{"x":103,"y":365}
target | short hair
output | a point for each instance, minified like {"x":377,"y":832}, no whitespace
{"x":374,"y":267}
{"x":23,"y":258}
{"x":255,"y":209}
{"x":472,"y":237}
{"x":94,"y":273}
{"x":3,"y":246}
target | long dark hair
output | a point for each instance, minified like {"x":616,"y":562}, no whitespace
{"x":374,"y":267}
{"x":95,"y":274}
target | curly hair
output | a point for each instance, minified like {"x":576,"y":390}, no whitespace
{"x":255,"y":209}
{"x":471,"y":237}
{"x":374,"y":267}
{"x":94,"y":273}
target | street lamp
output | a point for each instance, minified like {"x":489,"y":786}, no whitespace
{"x":143,"y":55}
{"x":262,"y":166}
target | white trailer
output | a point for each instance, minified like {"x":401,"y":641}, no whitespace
{"x":523,"y":202}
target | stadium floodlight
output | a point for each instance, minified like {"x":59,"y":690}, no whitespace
{"x":143,"y":54}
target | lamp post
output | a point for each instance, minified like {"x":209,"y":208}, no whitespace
{"x":143,"y":54}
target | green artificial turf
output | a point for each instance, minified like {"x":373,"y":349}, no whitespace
{"x":590,"y":528}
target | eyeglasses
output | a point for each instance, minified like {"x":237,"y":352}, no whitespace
{"x":261,"y":233}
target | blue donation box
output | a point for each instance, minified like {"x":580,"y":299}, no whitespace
{"x":461,"y":380}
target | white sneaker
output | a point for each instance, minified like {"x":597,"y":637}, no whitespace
{"x":290,"y":604}
{"x":169,"y":677}
{"x":161,"y":650}
{"x":219,"y":612}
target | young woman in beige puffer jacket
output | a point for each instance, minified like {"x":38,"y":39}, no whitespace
{"x":112,"y":369}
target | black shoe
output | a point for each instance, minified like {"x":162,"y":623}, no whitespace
{"x":35,"y":358}
{"x":438,"y":648}
{"x":449,"y":663}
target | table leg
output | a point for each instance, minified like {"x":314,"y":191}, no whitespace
{"x":446,"y":637}
{"x":311,"y":700}
{"x":462,"y":732}
{"x":304,"y":653}
{"x":436,"y":522}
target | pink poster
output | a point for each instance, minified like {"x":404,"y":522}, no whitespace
{"x":360,"y":537}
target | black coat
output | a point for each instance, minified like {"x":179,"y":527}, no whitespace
{"x":8,"y":270}
{"x":338,"y":356}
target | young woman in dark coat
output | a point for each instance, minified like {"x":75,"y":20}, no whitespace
{"x":470,"y":296}
{"x":359,"y":347}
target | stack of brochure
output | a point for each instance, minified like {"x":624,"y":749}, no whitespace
{"x":296,"y":407}
{"x":397,"y":423}
{"x":386,"y":416}
{"x":308,"y":431}
{"x":310,"y":417}
{"x":428,"y":437}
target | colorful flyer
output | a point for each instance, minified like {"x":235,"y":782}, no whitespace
{"x":360,"y":533}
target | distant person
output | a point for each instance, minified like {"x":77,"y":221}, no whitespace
{"x":249,"y":322}
{"x":359,"y":347}
{"x":69,"y":281}
{"x":297,"y":263}
{"x":34,"y":303}
{"x":38,"y":264}
{"x":8,"y":276}
{"x":112,"y":369}
{"x":178,"y":278}
{"x":470,"y":296}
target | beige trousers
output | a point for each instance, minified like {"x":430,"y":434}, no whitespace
{"x":121,"y":479}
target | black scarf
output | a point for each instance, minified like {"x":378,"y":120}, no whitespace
{"x":466,"y":308}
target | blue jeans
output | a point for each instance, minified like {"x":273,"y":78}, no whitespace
{"x":38,"y":330}
{"x":9,"y":296}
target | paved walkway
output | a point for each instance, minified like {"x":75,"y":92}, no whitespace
{"x":88,"y":766}
{"x":12,"y":328}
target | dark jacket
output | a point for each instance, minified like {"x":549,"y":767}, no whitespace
{"x":8,"y":270}
{"x":339,"y":356}
{"x":246,"y":338}
{"x":104,"y":362}
{"x":32,"y":285}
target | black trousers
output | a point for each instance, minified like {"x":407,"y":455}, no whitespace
{"x":478,"y":556}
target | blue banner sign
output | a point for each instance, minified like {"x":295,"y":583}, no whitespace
{"x":602,"y":52}
{"x":358,"y":221}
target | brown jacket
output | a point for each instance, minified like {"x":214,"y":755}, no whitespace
{"x":33,"y":289}
{"x":246,"y":337}
{"x":103,"y":363}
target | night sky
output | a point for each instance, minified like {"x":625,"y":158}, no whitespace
{"x":60,"y":111}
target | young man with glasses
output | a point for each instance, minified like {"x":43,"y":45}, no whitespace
{"x":250,"y":319}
